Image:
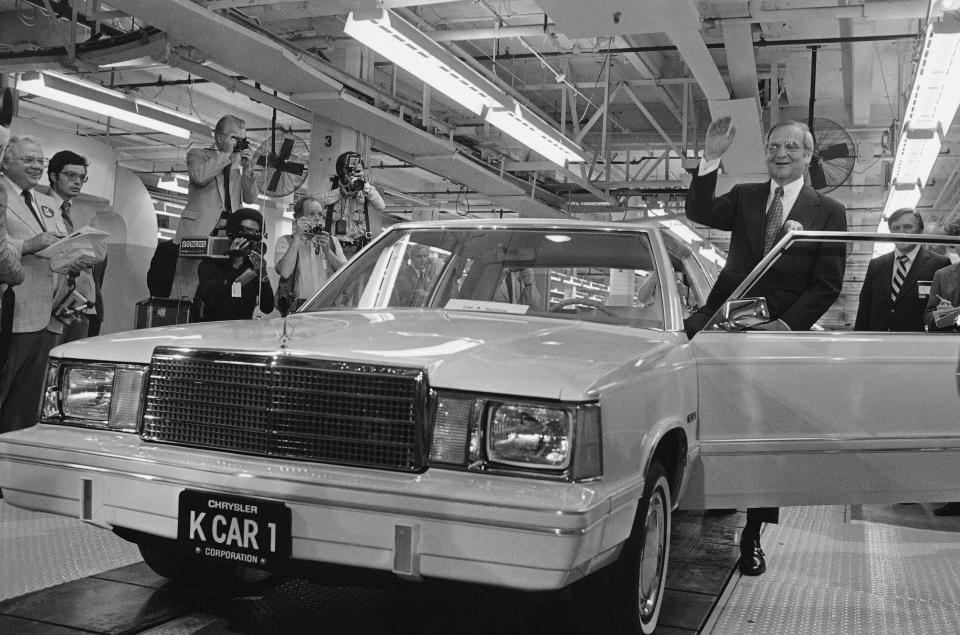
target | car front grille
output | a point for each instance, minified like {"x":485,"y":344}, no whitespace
{"x":283,"y":406}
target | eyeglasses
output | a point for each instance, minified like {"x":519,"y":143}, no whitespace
{"x":32,"y":161}
{"x":792,"y":147}
{"x":74,"y":176}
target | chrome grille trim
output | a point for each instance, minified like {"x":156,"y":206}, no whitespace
{"x":277,"y":405}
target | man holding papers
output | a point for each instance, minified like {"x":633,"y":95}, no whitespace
{"x":67,"y":172}
{"x":33,"y":223}
{"x":943,"y":306}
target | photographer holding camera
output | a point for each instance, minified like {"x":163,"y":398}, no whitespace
{"x":349,"y":201}
{"x":221,"y":182}
{"x":306,"y":258}
{"x":229,"y":289}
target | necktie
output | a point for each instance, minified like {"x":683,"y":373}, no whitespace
{"x":227,"y":206}
{"x":774,"y":220}
{"x":898,"y":277}
{"x":65,"y":212}
{"x":28,"y":197}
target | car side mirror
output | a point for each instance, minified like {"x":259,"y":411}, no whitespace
{"x":744,"y":313}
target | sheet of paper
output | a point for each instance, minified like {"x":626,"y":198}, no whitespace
{"x":86,"y":237}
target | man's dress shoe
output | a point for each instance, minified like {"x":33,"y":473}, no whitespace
{"x":751,"y":557}
{"x":950,"y":509}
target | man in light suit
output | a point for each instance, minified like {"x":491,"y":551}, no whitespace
{"x":802,"y":284}
{"x":221,"y":182}
{"x":882,"y":310}
{"x":33,"y":223}
{"x":11,"y":274}
{"x":67,"y":172}
{"x":945,"y":290}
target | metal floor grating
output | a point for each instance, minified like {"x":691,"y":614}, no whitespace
{"x":39,"y":550}
{"x":852,"y":571}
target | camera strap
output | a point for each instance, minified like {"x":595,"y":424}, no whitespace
{"x":366,"y":217}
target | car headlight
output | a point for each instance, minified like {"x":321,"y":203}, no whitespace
{"x":559,"y":440}
{"x":527,"y":435}
{"x":95,"y":395}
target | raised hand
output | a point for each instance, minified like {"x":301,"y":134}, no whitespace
{"x":720,"y":136}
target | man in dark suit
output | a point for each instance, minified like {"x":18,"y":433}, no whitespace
{"x":801,"y":285}
{"x":897,"y":284}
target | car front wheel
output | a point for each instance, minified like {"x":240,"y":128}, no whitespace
{"x":625,"y":597}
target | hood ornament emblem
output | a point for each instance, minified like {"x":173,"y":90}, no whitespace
{"x":286,"y":334}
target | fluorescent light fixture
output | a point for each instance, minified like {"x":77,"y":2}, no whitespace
{"x":557,"y":238}
{"x":173,"y":185}
{"x":935,"y":94}
{"x":400,"y":42}
{"x":680,"y":230}
{"x":934,"y":99}
{"x":713,"y":256}
{"x":524,"y":126}
{"x":901,"y":196}
{"x":916,"y":154}
{"x":95,"y":98}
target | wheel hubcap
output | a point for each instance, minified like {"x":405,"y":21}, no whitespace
{"x":652,"y":557}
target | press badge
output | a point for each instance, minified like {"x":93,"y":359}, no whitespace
{"x":235,"y":289}
{"x":923,"y":288}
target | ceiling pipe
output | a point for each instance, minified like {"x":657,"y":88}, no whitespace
{"x":891,"y":10}
{"x":229,"y":82}
{"x":493,"y":33}
{"x":760,"y":43}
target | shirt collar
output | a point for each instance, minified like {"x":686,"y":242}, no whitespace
{"x":790,"y":190}
{"x":910,"y":253}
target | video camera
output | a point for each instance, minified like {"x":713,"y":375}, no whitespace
{"x":253,"y":239}
{"x":350,"y":172}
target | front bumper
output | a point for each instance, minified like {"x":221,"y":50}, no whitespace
{"x":504,"y":531}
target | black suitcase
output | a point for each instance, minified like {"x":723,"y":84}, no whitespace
{"x":166,"y":312}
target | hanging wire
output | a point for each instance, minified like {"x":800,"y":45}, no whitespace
{"x":466,"y":199}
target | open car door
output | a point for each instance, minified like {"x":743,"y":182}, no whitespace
{"x":830,"y":416}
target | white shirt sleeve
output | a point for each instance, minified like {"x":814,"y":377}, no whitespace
{"x":706,"y":167}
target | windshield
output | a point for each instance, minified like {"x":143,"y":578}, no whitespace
{"x":591,"y":275}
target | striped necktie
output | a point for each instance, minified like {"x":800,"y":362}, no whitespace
{"x":898,"y":277}
{"x":774,"y":220}
{"x":65,"y":212}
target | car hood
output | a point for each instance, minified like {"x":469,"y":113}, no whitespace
{"x":515,"y":354}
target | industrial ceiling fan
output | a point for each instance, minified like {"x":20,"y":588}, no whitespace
{"x":834,"y":152}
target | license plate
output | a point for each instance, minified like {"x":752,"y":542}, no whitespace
{"x":234,"y":529}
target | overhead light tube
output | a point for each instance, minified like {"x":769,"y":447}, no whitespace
{"x":530,"y":130}
{"x":409,"y":48}
{"x":97,"y":99}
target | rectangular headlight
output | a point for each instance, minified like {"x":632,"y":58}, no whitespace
{"x":529,"y":435}
{"x":95,"y":395}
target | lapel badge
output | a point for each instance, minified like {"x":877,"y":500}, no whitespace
{"x":46,"y":211}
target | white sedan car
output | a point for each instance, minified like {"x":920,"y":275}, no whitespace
{"x":508,"y":403}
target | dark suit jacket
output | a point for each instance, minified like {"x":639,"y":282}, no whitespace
{"x":946,"y":284}
{"x":805,"y":281}
{"x":877,"y":313}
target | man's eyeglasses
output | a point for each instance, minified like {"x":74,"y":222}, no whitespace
{"x":74,"y":176}
{"x":792,"y":147}
{"x":32,"y":161}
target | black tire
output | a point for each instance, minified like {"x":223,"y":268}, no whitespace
{"x":625,"y":596}
{"x":167,"y":559}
